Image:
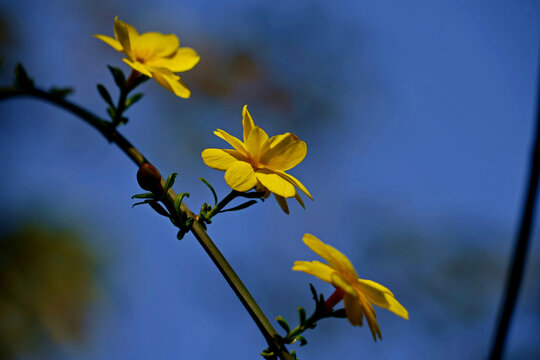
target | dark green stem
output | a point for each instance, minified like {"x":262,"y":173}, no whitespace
{"x":110,"y":132}
{"x":124,"y":92}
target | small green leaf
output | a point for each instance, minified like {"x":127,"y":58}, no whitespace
{"x":302,"y":340}
{"x":158,"y":208}
{"x":22,"y":80}
{"x":132,"y":100}
{"x":105,"y":94}
{"x":170,"y":182}
{"x":60,"y":92}
{"x":302,"y":315}
{"x":211,"y":189}
{"x":118,"y":75}
{"x":155,"y":205}
{"x":178,"y":201}
{"x":281,"y":321}
{"x":144,"y":196}
{"x":241,"y":206}
{"x":112,"y":112}
{"x":267,"y":353}
{"x":139,"y":203}
{"x":293,"y":354}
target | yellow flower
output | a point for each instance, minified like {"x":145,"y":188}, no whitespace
{"x":260,"y":162}
{"x":359,"y":294}
{"x":154,"y":55}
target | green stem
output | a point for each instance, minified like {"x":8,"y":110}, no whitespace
{"x":124,"y":91}
{"x":110,"y":132}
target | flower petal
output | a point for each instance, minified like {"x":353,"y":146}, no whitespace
{"x":335,"y":258}
{"x":233,"y":141}
{"x":220,"y":159}
{"x":184,"y":59}
{"x":125,"y":34}
{"x":315,"y":268}
{"x":240,"y":176}
{"x":338,"y":281}
{"x":247,"y":122}
{"x":275,"y":183}
{"x":299,"y":199}
{"x":371,"y":317}
{"x":382,"y":297}
{"x":282,"y":203}
{"x":294,"y":181}
{"x":354,"y":310}
{"x":284,"y":152}
{"x":140,"y":67}
{"x":110,"y":41}
{"x":152,"y":44}
{"x":171,"y":82}
{"x":257,"y":143}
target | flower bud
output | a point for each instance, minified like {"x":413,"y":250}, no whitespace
{"x":149,"y":178}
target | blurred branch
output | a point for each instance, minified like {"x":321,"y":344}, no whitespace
{"x":112,"y":135}
{"x":522,"y":242}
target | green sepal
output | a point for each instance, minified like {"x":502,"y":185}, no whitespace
{"x":302,"y":340}
{"x":178,"y":201}
{"x":139,"y":80}
{"x":105,"y":94}
{"x":211,"y":189}
{"x":241,"y":206}
{"x":170,"y":182}
{"x":180,"y":234}
{"x":301,"y":315}
{"x":281,"y":321}
{"x":60,"y":92}
{"x":118,"y":75}
{"x":339,"y":313}
{"x":144,"y":196}
{"x":132,"y":100}
{"x":313,"y":292}
{"x":22,"y":80}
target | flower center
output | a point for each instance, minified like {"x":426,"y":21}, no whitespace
{"x":142,"y":55}
{"x":255,"y":163}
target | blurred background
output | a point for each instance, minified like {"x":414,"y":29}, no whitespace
{"x":418,"y":117}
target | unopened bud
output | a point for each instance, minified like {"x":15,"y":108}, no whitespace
{"x":149,"y":178}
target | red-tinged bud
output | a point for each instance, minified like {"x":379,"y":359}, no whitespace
{"x":149,"y":178}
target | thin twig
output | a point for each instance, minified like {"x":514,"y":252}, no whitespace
{"x":522,"y":242}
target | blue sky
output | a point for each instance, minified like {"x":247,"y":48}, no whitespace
{"x":418,"y":118}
